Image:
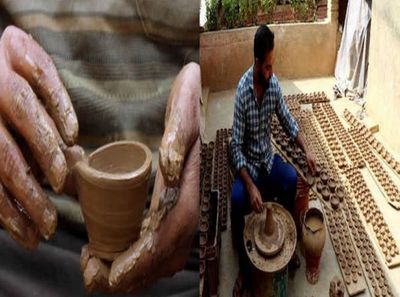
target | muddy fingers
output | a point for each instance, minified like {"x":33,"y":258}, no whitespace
{"x":16,"y":223}
{"x":17,"y":177}
{"x":20,"y":107}
{"x":29,"y":60}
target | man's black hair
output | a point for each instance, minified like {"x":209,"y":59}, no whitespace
{"x":263,"y":42}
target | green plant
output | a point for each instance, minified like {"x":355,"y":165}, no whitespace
{"x":268,"y":6}
{"x":301,"y":8}
{"x":231,"y":12}
{"x":248,"y":10}
{"x":211,"y":15}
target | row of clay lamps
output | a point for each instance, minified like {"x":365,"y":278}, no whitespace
{"x":372,"y":265}
{"x":349,"y":146}
{"x":372,"y":214}
{"x":222,"y":178}
{"x":379,"y":171}
{"x":330,"y":135}
{"x":206,"y":214}
{"x":329,"y":189}
{"x":292,"y":102}
{"x":293,"y":152}
{"x":308,"y":98}
{"x":377,"y":145}
{"x":358,"y":230}
{"x":327,"y":186}
{"x":313,"y":135}
{"x":343,"y":247}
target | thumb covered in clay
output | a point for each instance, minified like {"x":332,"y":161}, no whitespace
{"x":181,"y":123}
{"x":165,"y":240}
{"x":73,"y":155}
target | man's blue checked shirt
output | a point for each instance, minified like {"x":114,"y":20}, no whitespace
{"x":251,"y":132}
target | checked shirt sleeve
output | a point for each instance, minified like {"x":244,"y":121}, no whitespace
{"x":238,"y":129}
{"x":286,"y":119}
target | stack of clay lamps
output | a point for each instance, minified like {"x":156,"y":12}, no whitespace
{"x":376,"y":144}
{"x":384,"y":180}
{"x":376,"y":277}
{"x":348,"y":144}
{"x":209,"y":225}
{"x":355,"y":226}
{"x":345,"y":252}
{"x":222,"y":177}
{"x":316,"y":97}
{"x":374,"y":216}
{"x":292,"y":102}
{"x":330,"y":136}
{"x":325,"y":186}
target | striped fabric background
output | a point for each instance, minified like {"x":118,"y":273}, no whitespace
{"x":117,"y":58}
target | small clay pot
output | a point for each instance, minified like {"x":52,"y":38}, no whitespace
{"x":112,"y":188}
{"x":325,"y":193}
{"x":340,"y":193}
{"x":334,"y":202}
{"x":319,"y":186}
{"x":324,"y":177}
{"x":317,"y":170}
{"x":203,"y":227}
{"x":331,"y":184}
{"x":203,"y":239}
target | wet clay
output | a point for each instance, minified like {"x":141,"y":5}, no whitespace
{"x":112,"y":188}
{"x":336,"y":288}
{"x":270,"y":236}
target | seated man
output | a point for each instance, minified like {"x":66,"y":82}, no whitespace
{"x":260,"y":175}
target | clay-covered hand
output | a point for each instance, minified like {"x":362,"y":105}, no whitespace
{"x":255,"y":199}
{"x":37,"y":126}
{"x":311,"y":161}
{"x":168,"y":230}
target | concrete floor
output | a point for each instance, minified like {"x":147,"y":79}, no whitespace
{"x":218,"y":113}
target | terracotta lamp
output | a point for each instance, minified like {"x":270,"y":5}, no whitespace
{"x":112,"y":186}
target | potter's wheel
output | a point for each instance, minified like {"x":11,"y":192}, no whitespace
{"x":270,"y":253}
{"x":268,"y":245}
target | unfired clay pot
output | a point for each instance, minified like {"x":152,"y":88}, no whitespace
{"x":112,"y":187}
{"x":313,"y":239}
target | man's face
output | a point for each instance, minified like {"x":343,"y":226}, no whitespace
{"x":264,"y":68}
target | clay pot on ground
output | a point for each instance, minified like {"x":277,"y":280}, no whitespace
{"x":340,"y":193}
{"x":332,"y":184}
{"x":313,"y":241}
{"x":324,"y":177}
{"x":334,"y":202}
{"x":112,"y":187}
{"x":325,"y":193}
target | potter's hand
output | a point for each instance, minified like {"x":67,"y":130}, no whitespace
{"x":167,"y":232}
{"x":42,"y":129}
{"x":310,"y":157}
{"x":255,"y":198}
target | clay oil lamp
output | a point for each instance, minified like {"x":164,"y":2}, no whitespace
{"x":203,"y":239}
{"x":112,"y":187}
{"x":325,"y":193}
{"x":334,"y":201}
{"x":319,"y":186}
{"x":324,"y":177}
{"x":331,"y":184}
